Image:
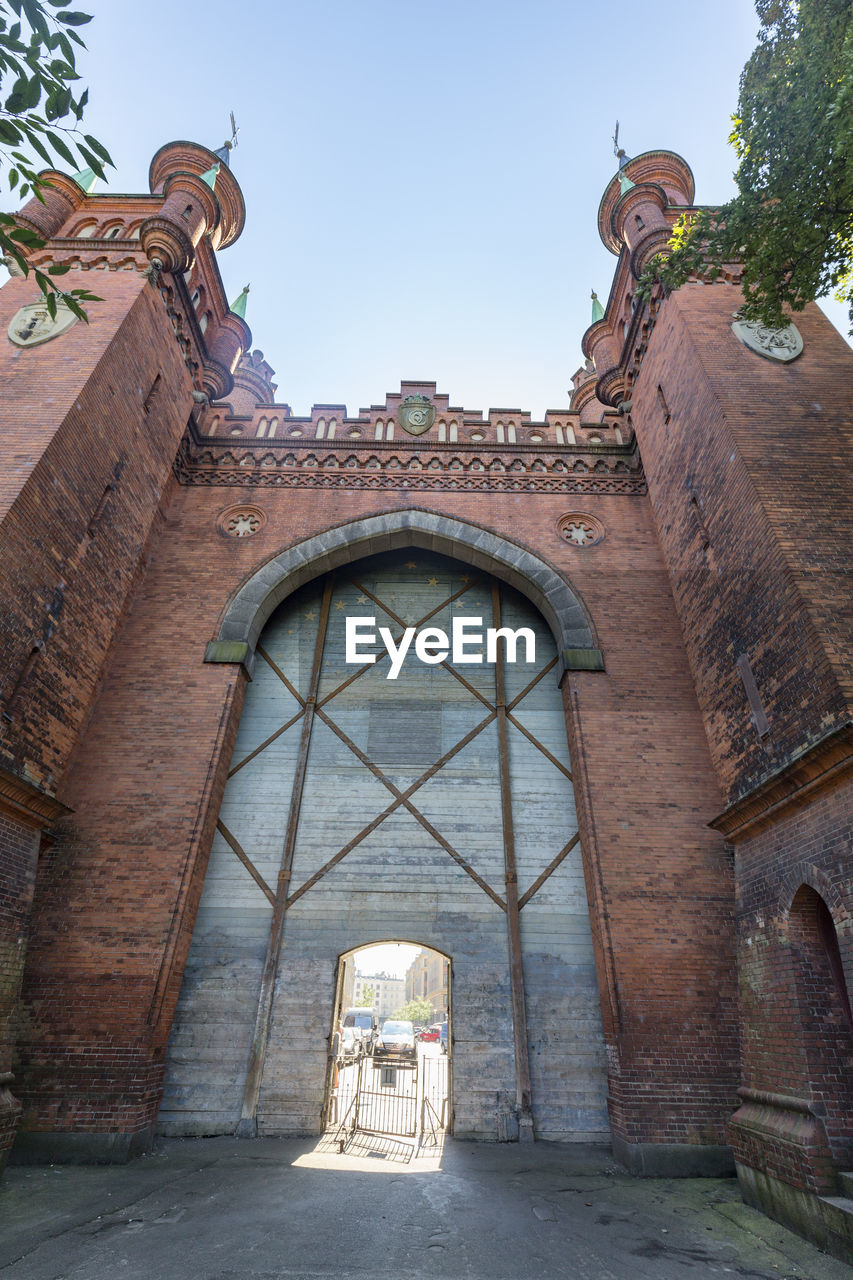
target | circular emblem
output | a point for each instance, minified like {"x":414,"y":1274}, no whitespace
{"x":774,"y":344}
{"x":416,"y":415}
{"x":33,"y":324}
{"x":241,"y":520}
{"x":579,"y":530}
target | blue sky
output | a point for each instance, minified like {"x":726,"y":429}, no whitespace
{"x":422,"y":181}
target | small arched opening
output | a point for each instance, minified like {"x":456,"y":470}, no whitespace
{"x":390,"y":1047}
{"x":826,"y":1020}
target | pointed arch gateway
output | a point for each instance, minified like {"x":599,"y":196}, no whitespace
{"x":251,"y":606}
{"x":439,"y":806}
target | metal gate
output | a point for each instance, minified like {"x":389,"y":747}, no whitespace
{"x":389,"y":1100}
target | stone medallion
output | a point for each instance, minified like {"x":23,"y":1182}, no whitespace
{"x":416,"y":415}
{"x":33,"y":324}
{"x":774,"y":344}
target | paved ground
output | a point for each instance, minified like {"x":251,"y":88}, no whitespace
{"x":225,"y":1209}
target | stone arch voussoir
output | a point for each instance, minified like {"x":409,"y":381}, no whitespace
{"x":250,"y":607}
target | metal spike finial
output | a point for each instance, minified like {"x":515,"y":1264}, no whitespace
{"x":618,"y":151}
{"x":229,"y":144}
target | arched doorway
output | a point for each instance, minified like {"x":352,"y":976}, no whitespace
{"x":826,"y":1020}
{"x":391,"y":1050}
{"x":435,"y":805}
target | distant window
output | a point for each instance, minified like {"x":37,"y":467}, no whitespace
{"x":113,"y":233}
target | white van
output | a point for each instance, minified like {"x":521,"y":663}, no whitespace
{"x":365,"y":1024}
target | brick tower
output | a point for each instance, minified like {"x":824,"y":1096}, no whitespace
{"x":743,"y":433}
{"x":88,"y":441}
{"x":676,"y":529}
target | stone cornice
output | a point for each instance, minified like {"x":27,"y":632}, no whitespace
{"x":822,"y":764}
{"x":28,"y":803}
{"x":411,"y":464}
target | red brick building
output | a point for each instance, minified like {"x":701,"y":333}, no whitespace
{"x":682,"y":527}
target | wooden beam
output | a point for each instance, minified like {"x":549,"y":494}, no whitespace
{"x":231,"y":840}
{"x":516,"y":967}
{"x":549,"y":871}
{"x":248,"y":1125}
{"x":400,"y":798}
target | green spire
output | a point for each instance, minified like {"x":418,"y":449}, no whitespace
{"x":210,"y":176}
{"x":597,"y":308}
{"x":238,"y":306}
{"x":625,"y":182}
{"x":85,"y":178}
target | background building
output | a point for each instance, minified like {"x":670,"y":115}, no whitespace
{"x":428,"y":978}
{"x":388,"y":993}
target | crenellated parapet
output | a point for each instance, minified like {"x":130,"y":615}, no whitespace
{"x":460,"y":449}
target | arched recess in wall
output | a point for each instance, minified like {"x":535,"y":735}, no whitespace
{"x":360,"y":805}
{"x":559,"y":604}
{"x":826,"y":1020}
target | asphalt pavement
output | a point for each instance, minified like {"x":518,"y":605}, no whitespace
{"x":272,"y":1209}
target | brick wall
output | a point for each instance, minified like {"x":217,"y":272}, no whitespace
{"x":744,"y":459}
{"x":797,"y":1037}
{"x":147,"y":782}
{"x":73,"y":422}
{"x":19,"y":844}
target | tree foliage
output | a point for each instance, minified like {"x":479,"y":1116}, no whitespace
{"x":40,"y":113}
{"x":365,"y":1000}
{"x":418,"y":1012}
{"x":791,"y":225}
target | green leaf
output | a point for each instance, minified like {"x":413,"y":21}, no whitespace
{"x":98,"y":147}
{"x":59,"y":269}
{"x":92,"y":161}
{"x":13,"y":179}
{"x":37,"y":146}
{"x":62,"y":70}
{"x":61,"y":148}
{"x":16,"y":256}
{"x":10,"y":134}
{"x":71,"y":19}
{"x":25,"y":236}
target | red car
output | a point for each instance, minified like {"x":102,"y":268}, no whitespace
{"x":431,"y":1034}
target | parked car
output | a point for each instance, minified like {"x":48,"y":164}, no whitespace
{"x":365,"y":1024}
{"x":350,"y":1048}
{"x":442,"y":1035}
{"x":429,"y":1035}
{"x":396,"y":1043}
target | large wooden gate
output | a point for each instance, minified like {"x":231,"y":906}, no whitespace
{"x":437,"y":807}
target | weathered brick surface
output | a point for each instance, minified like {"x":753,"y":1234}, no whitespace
{"x":745,"y":459}
{"x":72,"y":422}
{"x":19,"y":844}
{"x":143,"y":824}
{"x":797,"y":1035}
{"x":761,"y":447}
